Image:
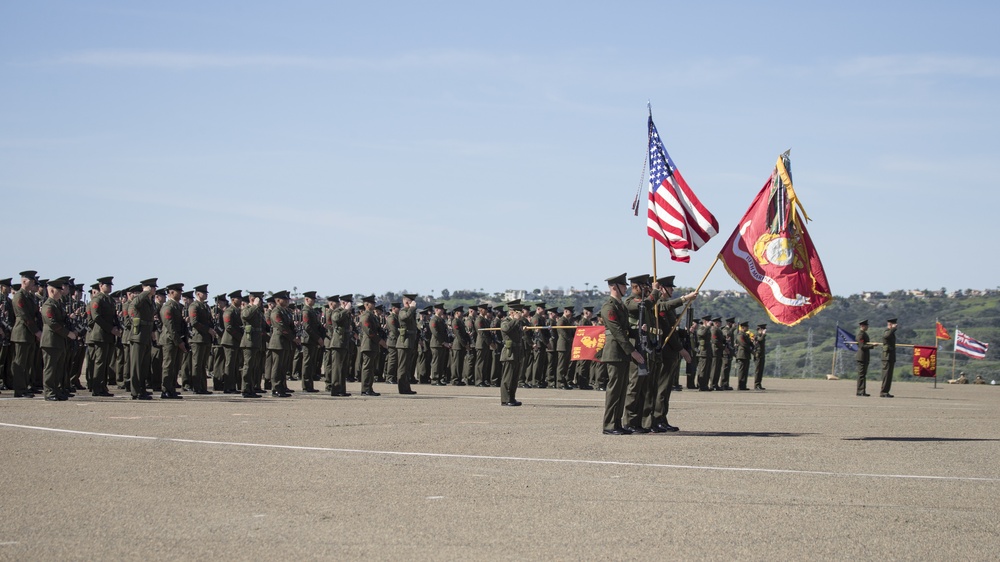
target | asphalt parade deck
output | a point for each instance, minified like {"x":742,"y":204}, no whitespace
{"x":804,"y":470}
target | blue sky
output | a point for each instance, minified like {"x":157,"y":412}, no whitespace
{"x":349,"y":147}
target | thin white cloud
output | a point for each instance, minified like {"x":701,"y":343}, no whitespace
{"x":195,"y":61}
{"x":900,"y":66}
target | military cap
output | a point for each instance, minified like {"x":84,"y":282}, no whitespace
{"x":64,"y":279}
{"x":515,"y":307}
{"x":78,"y":286}
{"x":744,"y":324}
{"x":109,"y":280}
{"x":706,"y":317}
{"x":410,"y":296}
{"x":427,"y":309}
{"x":569,"y":308}
{"x":175,"y":287}
{"x":863,"y":322}
{"x":553,"y":309}
{"x":15,"y":286}
{"x":333,"y":298}
{"x":730,"y":320}
{"x":640,"y":279}
{"x":761,"y":326}
{"x":346,"y":298}
{"x":114,"y":294}
{"x":892,"y":320}
{"x":369,"y":298}
{"x":717,"y":319}
{"x":95,"y":286}
{"x":270,"y":299}
{"x":151,"y":282}
{"x":498,"y":308}
{"x":188,"y":294}
{"x":458,"y":308}
{"x":617,"y":280}
{"x":483,"y":306}
{"x":6,"y":282}
{"x":280,"y":295}
{"x":380,"y":307}
{"x":540,"y":305}
{"x":396,"y":305}
{"x":439,"y":305}
{"x":667,"y":282}
{"x":30,"y":274}
{"x":43,"y":282}
{"x":201,"y":288}
{"x":238,"y":294}
{"x":515,"y":301}
{"x":258,"y":294}
{"x":56,"y":283}
{"x":588,"y":308}
{"x":134,"y":289}
{"x":162,"y":292}
{"x":221,"y":297}
{"x":309,"y":294}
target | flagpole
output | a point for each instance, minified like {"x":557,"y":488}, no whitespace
{"x":936,"y":324}
{"x":833,"y":364}
{"x":688,"y":303}
{"x":953,"y":352}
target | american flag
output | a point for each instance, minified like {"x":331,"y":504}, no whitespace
{"x":676,"y":217}
{"x":968,"y":346}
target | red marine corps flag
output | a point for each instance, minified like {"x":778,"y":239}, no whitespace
{"x":587,"y":341}
{"x":924,"y":361}
{"x":771,"y":255}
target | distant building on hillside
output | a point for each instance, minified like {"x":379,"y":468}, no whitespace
{"x":514,"y":294}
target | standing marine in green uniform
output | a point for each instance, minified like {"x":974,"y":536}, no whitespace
{"x":728,"y":347}
{"x":744,"y":343}
{"x":459,"y":345}
{"x":863,"y":356}
{"x":888,"y":356}
{"x":25,"y":335}
{"x":406,"y":344}
{"x":282,"y":344}
{"x":103,"y":330}
{"x":370,"y":342}
{"x":202,"y":335}
{"x":641,"y":318}
{"x":484,"y":346}
{"x":232,"y":335}
{"x":617,"y":353}
{"x":339,"y":320}
{"x":669,"y":352}
{"x":439,"y":346}
{"x":313,"y":333}
{"x":142,"y":309}
{"x":391,"y":339}
{"x":759,"y":354}
{"x":703,"y":337}
{"x":718,"y":345}
{"x":56,"y":336}
{"x":564,"y":347}
{"x":252,"y":344}
{"x":173,"y":340}
{"x":511,"y":330}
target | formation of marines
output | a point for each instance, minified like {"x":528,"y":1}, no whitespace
{"x":149,"y":340}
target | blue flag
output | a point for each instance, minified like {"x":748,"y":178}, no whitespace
{"x":843,"y":336}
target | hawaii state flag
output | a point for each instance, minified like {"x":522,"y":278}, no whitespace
{"x":587,"y":341}
{"x":924,"y":361}
{"x":941,"y":333}
{"x":771,"y":254}
{"x":968,"y":346}
{"x":676,"y":217}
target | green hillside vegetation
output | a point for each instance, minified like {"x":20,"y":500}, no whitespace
{"x":976,"y":313}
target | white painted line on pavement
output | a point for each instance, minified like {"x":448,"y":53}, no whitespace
{"x":515,"y":459}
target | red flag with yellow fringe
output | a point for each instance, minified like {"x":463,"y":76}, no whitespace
{"x":941,"y":333}
{"x":587,"y":341}
{"x":771,"y":254}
